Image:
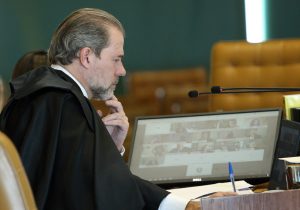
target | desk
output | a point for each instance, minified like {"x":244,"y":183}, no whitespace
{"x":271,"y":200}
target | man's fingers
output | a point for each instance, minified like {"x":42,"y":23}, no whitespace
{"x":114,"y":105}
{"x":115,"y":116}
{"x":222,"y":194}
{"x":100,"y":113}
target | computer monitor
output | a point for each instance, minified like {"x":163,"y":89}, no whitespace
{"x":287,"y":146}
{"x":195,"y":148}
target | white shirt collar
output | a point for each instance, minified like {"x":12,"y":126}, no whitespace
{"x":60,"y":68}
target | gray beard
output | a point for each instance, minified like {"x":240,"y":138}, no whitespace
{"x":100,"y":93}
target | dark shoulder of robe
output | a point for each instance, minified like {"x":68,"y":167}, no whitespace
{"x":70,"y":158}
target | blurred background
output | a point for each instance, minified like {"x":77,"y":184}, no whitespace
{"x":160,"y":34}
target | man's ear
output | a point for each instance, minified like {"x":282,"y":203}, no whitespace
{"x":85,"y":56}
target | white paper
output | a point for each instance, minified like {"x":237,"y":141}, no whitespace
{"x":195,"y":192}
{"x":291,"y":159}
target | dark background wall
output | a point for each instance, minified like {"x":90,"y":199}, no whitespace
{"x":160,"y":34}
{"x":284,"y":18}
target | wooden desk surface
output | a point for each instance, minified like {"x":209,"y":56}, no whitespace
{"x":271,"y":200}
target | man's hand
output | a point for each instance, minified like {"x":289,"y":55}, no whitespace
{"x":116,"y":121}
{"x":193,"y":205}
{"x":222,"y":194}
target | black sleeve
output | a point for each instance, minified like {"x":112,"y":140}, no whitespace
{"x":152,"y":194}
{"x":60,"y":155}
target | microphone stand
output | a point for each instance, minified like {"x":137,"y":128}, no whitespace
{"x":220,"y":90}
{"x":259,"y":89}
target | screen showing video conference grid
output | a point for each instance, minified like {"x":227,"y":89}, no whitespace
{"x":172,"y":149}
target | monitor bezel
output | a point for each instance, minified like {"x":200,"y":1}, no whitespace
{"x":275,"y":183}
{"x":190,"y":181}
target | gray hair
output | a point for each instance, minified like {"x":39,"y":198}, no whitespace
{"x":87,"y":27}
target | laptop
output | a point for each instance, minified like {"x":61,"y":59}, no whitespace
{"x":194,"y":149}
{"x":288,"y":145}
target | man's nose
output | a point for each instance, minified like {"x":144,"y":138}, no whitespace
{"x":121,"y":71}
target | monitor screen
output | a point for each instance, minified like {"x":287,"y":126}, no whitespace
{"x":287,"y":146}
{"x":198,"y":147}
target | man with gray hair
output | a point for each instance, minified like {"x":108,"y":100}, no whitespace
{"x":71,"y":153}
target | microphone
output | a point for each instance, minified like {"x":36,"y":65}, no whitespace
{"x":220,"y":90}
{"x":196,"y":93}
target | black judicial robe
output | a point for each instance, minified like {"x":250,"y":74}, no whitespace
{"x":69,"y":156}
